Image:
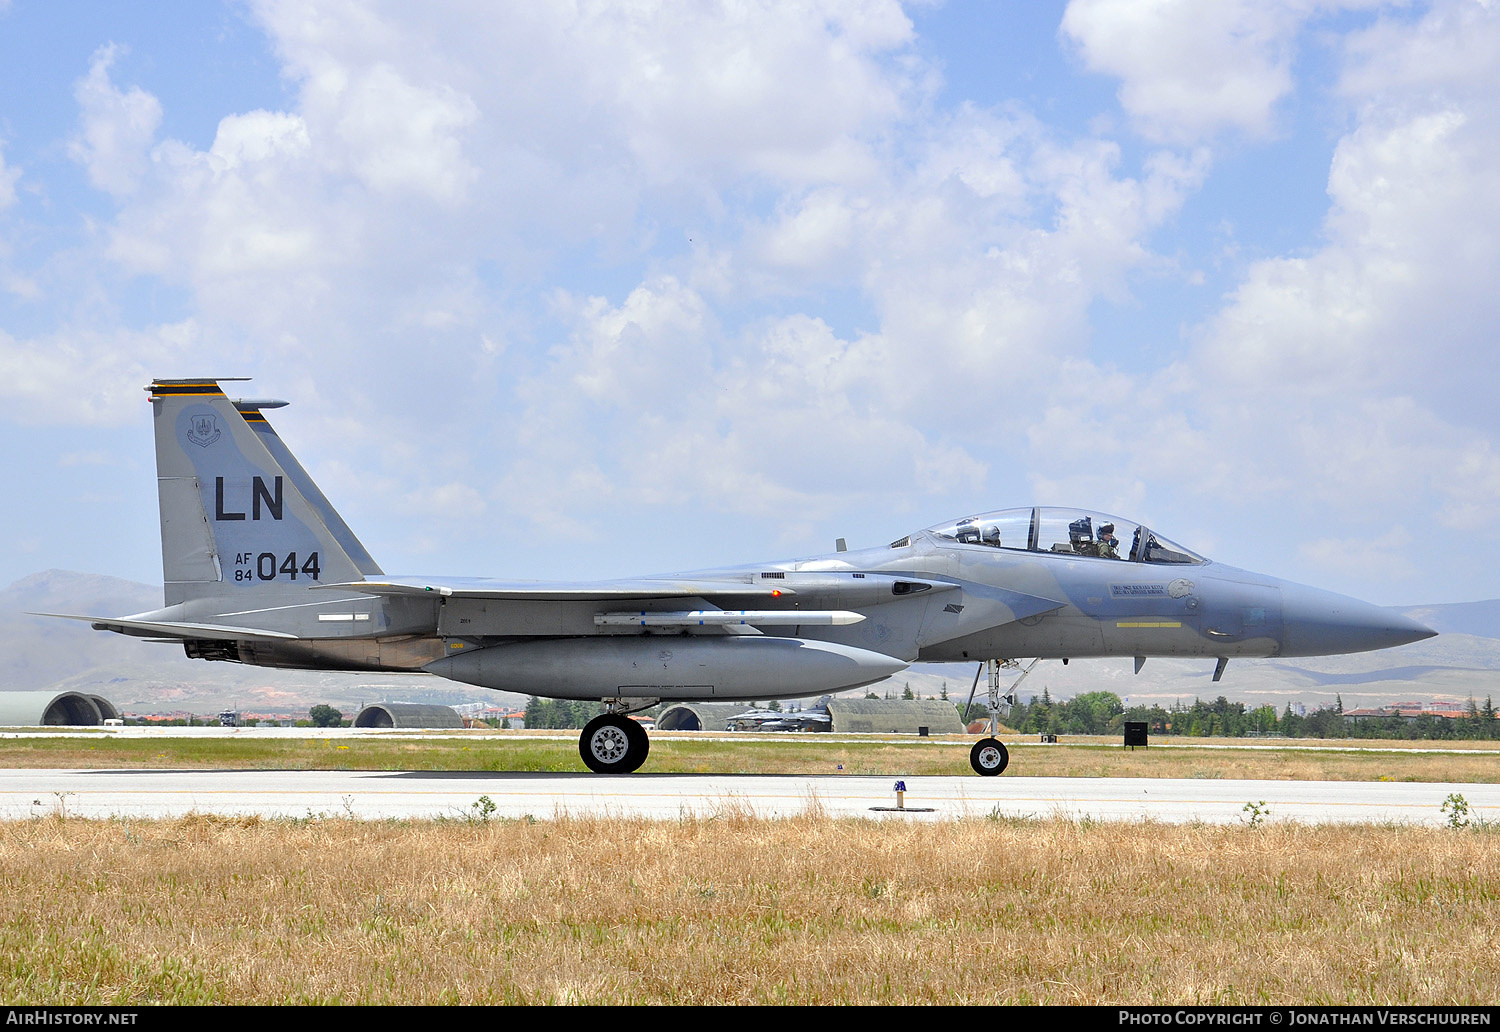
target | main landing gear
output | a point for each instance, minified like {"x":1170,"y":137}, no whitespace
{"x":613,"y":744}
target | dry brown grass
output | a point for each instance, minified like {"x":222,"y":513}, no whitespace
{"x":737,"y":909}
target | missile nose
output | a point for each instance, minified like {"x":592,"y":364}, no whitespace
{"x":1321,"y":623}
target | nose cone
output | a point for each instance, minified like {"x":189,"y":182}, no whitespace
{"x":1320,"y":623}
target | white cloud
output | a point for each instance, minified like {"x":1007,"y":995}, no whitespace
{"x":88,"y":378}
{"x":1192,"y":68}
{"x":118,"y":127}
{"x":781,"y":88}
{"x":317,"y":223}
{"x":1412,"y":237}
{"x":1351,"y":383}
{"x":235,"y":210}
{"x":957,"y":257}
{"x":8,"y":177}
{"x":739,"y":259}
{"x":13,"y":283}
{"x":1352,"y":556}
{"x":665,"y":92}
{"x":256,"y":141}
{"x":1452,"y":46}
{"x":21,"y":286}
{"x":1471,"y":486}
{"x":785,"y":414}
{"x":88,"y":458}
{"x":762,"y":424}
{"x":447,"y":501}
{"x":395,"y":136}
{"x":645,"y":351}
{"x":421,"y":144}
{"x":815,"y":237}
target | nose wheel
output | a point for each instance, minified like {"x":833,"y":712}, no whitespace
{"x":989,"y":757}
{"x":612,"y":744}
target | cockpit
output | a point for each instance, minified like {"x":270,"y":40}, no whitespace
{"x":1073,"y":532}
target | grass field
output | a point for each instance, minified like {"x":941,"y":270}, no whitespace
{"x":787,"y":754}
{"x":734,"y":909}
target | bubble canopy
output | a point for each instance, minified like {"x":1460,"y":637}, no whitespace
{"x":1058,"y":531}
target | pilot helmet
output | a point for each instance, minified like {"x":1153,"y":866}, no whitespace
{"x":1108,"y":528}
{"x":992,"y":534}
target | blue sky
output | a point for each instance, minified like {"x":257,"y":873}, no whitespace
{"x":579,"y":290}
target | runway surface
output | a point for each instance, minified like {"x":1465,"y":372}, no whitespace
{"x":458,"y":795}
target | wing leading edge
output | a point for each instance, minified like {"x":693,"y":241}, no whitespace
{"x":877,"y":586}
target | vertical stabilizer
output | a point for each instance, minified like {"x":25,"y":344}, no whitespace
{"x":235,"y":516}
{"x":255,"y":417}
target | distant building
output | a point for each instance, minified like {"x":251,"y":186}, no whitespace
{"x":477,"y":714}
{"x":1409,"y":711}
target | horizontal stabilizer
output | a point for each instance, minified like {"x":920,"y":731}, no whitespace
{"x":155,"y":629}
{"x":723,"y":618}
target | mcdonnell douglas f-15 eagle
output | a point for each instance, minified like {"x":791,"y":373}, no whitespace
{"x":260,"y":569}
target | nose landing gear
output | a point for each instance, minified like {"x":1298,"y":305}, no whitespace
{"x":989,"y":756}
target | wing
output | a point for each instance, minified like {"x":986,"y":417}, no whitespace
{"x":850,"y":587}
{"x":535,"y":591}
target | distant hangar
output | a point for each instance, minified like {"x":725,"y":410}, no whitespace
{"x":55,"y":709}
{"x":895,"y":716}
{"x":408,"y":715}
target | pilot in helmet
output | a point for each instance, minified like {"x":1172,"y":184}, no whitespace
{"x":992,"y":535}
{"x":1109,"y":545}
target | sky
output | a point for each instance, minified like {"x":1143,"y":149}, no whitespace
{"x":595,"y":289}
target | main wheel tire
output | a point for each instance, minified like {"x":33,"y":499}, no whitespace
{"x":609,"y":745}
{"x":640,"y":744}
{"x":989,"y":757}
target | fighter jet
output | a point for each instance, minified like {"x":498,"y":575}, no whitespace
{"x":260,"y":569}
{"x":814,"y":718}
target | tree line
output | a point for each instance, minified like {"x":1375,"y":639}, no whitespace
{"x":560,"y":713}
{"x":1102,"y":713}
